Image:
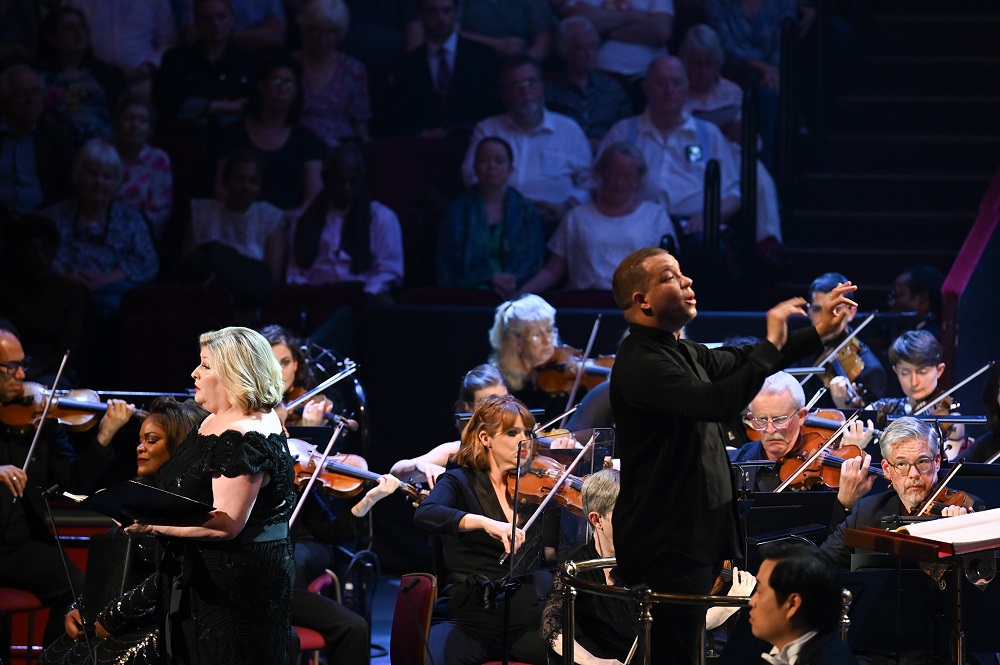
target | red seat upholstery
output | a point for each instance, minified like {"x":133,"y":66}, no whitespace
{"x":15,"y":601}
{"x":411,"y":619}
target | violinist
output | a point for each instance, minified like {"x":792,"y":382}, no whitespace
{"x":911,"y":459}
{"x":778,"y":414}
{"x":987,"y":445}
{"x":918,"y":289}
{"x":29,"y":558}
{"x":297,"y":376}
{"x":470,"y":510}
{"x":916,"y":361}
{"x":857,"y":377}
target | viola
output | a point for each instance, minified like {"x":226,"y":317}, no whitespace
{"x":559,"y":373}
{"x":76,"y":409}
{"x":538,"y":479}
{"x":824,"y":470}
{"x":343,"y":474}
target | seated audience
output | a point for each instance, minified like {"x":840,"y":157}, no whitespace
{"x":446,"y":83}
{"x":237,"y":242}
{"x":36,"y":150}
{"x":592,"y":238}
{"x":147,"y":180}
{"x":335,"y":85}
{"x":512,"y":27}
{"x":344,"y":236}
{"x":918,"y":289}
{"x":258,"y":25}
{"x":381,"y":31}
{"x":81,"y":90}
{"x":291,"y":154}
{"x":492,"y":238}
{"x":104,"y":245}
{"x":550,"y":149}
{"x":594,"y":100}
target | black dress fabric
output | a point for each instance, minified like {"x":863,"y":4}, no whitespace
{"x":229,"y":601}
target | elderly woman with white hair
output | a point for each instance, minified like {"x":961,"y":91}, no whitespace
{"x":720,"y":101}
{"x":593,"y":238}
{"x":104,"y":245}
{"x":335,"y":85}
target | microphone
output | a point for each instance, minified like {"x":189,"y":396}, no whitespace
{"x":55,"y":490}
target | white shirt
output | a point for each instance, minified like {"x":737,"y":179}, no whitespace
{"x":129,"y":33}
{"x":246,"y":232}
{"x":551,"y":161}
{"x":628,"y":58}
{"x":594,"y":244}
{"x":676,"y":162}
{"x":789,"y":654}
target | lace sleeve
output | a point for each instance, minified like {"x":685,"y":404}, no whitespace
{"x":237,"y":454}
{"x":552,"y":613}
{"x":134,"y":608}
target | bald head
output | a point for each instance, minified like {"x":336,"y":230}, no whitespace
{"x":666,"y":88}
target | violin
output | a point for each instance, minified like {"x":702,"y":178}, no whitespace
{"x":824,"y":470}
{"x":849,"y":364}
{"x":343,"y":474}
{"x":557,"y":376}
{"x":76,"y":409}
{"x":950,"y":497}
{"x":537,"y":481}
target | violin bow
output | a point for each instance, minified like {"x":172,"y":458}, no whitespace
{"x":993,"y":459}
{"x":816,"y":455}
{"x":548,"y":497}
{"x":580,"y":372}
{"x":319,"y":467}
{"x":339,"y":376}
{"x":941,"y":487}
{"x":561,"y":416}
{"x":45,"y":413}
{"x":815,"y":398}
{"x":847,"y":340}
{"x":927,"y":407}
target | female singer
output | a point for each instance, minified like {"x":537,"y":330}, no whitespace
{"x":126,"y":628}
{"x":228,"y":575}
{"x":470,"y":511}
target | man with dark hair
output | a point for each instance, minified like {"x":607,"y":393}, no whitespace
{"x":918,"y":289}
{"x":669,"y":397}
{"x":796,"y":607}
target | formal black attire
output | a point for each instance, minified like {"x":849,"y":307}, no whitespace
{"x":29,"y":557}
{"x":228,"y":601}
{"x":826,"y":649}
{"x":985,"y":447}
{"x":464,"y":630}
{"x":675,"y":520}
{"x":470,"y":97}
{"x":870,"y":382}
{"x":605,"y":626}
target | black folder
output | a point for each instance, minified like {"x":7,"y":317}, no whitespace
{"x":133,"y":500}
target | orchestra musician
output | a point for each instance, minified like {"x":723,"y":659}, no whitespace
{"x":29,"y":558}
{"x":296,"y":376}
{"x":675,"y":518}
{"x":987,"y":445}
{"x":911,"y":460}
{"x":470,"y":511}
{"x":916,"y":358}
{"x":869,"y":384}
{"x":227,"y":576}
{"x":778,"y":414}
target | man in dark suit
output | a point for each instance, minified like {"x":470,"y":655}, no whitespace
{"x":448,"y":82}
{"x":796,"y":607}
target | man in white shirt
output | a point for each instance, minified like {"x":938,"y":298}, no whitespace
{"x":551,"y":153}
{"x":633,"y":32}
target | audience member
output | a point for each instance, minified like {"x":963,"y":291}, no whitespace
{"x":104,"y":245}
{"x":592,"y":238}
{"x":635,"y":32}
{"x":147,"y":184}
{"x":594,"y":100}
{"x":720,"y":101}
{"x":259,"y":25}
{"x":132,"y":35}
{"x":447,"y":82}
{"x":36,"y":151}
{"x":80,"y":89}
{"x":512,"y":27}
{"x":344,"y":236}
{"x":492,"y":237}
{"x":918,"y":289}
{"x":291,"y":154}
{"x":203,"y":86}
{"x":381,"y":31}
{"x":550,"y":149}
{"x":335,"y":85}
{"x":238,"y":242}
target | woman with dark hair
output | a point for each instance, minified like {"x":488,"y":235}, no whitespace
{"x":80,"y":89}
{"x":290,"y":153}
{"x":297,"y":376}
{"x":492,"y":237}
{"x":147,"y":184}
{"x":987,"y":445}
{"x":344,"y":236}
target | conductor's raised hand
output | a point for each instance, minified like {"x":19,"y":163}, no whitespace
{"x":777,"y":319}
{"x":836,"y":311}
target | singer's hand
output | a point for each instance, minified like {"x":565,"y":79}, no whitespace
{"x":101,"y":631}
{"x":14,"y":479}
{"x":74,"y":624}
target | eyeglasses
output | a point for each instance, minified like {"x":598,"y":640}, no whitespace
{"x":924,"y":464}
{"x":280,"y":82}
{"x":537,"y":336}
{"x":14,"y":365}
{"x":778,"y":422}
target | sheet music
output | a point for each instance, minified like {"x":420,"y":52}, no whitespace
{"x":982,"y":527}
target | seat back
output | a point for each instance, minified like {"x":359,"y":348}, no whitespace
{"x":411,"y":619}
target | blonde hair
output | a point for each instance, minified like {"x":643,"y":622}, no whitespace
{"x":246,"y":367}
{"x":509,"y":322}
{"x":492,"y":415}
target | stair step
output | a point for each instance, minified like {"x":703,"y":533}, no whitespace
{"x":917,"y":115}
{"x":870,"y":267}
{"x":951,"y":35}
{"x":890,"y":192}
{"x":916,"y":75}
{"x":907,"y":153}
{"x":935,"y":7}
{"x":846,"y":229}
